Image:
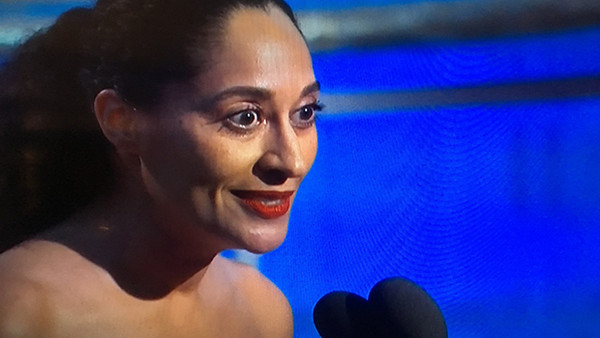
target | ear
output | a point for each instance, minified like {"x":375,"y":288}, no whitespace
{"x":117,"y":120}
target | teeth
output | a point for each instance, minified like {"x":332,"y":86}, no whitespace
{"x":271,"y":202}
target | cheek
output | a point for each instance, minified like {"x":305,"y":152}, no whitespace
{"x":174,"y":154}
{"x":227,"y":160}
{"x":218,"y":158}
{"x":309,"y":147}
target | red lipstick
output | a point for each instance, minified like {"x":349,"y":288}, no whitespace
{"x":266,"y":204}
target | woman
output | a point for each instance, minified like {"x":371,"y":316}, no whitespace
{"x":210,"y":107}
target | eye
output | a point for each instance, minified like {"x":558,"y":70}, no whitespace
{"x":245,"y":120}
{"x":305,"y":116}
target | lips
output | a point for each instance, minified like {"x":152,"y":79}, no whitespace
{"x":266,"y":204}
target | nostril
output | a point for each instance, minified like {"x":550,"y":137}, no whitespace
{"x":271,"y":176}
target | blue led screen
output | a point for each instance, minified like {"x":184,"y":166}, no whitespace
{"x":491,"y":207}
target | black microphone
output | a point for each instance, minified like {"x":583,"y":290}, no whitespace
{"x":406,"y":310}
{"x":397,"y":307}
{"x":342,"y":314}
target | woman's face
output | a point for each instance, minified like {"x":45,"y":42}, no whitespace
{"x":227,"y":156}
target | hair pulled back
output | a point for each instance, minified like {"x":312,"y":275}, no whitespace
{"x":55,"y":158}
{"x":143,"y":45}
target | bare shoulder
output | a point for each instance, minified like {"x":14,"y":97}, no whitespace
{"x":267,"y":304}
{"x":44,"y":262}
{"x":23,"y":309}
{"x":35,"y":278}
{"x":29,"y":264}
{"x":23,"y":302}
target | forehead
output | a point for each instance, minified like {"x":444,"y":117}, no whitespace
{"x":259,"y":48}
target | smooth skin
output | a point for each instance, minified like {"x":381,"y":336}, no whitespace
{"x":144,"y":262}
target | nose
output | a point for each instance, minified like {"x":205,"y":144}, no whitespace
{"x":282,"y":158}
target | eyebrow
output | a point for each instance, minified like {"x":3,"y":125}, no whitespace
{"x":260,"y":94}
{"x":311,"y":88}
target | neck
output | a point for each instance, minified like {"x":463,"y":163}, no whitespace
{"x":147,"y":250}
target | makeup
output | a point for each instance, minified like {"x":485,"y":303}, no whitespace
{"x":266,"y":204}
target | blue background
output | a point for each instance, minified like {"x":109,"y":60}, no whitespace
{"x":492,"y":207}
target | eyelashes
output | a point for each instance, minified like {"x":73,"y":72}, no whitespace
{"x":245,"y":120}
{"x":306,"y":116}
{"x":252,"y":117}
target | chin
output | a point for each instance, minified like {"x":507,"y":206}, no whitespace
{"x":265,"y":239}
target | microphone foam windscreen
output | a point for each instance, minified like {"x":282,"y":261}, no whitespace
{"x":342,"y":314}
{"x":407,"y":310}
